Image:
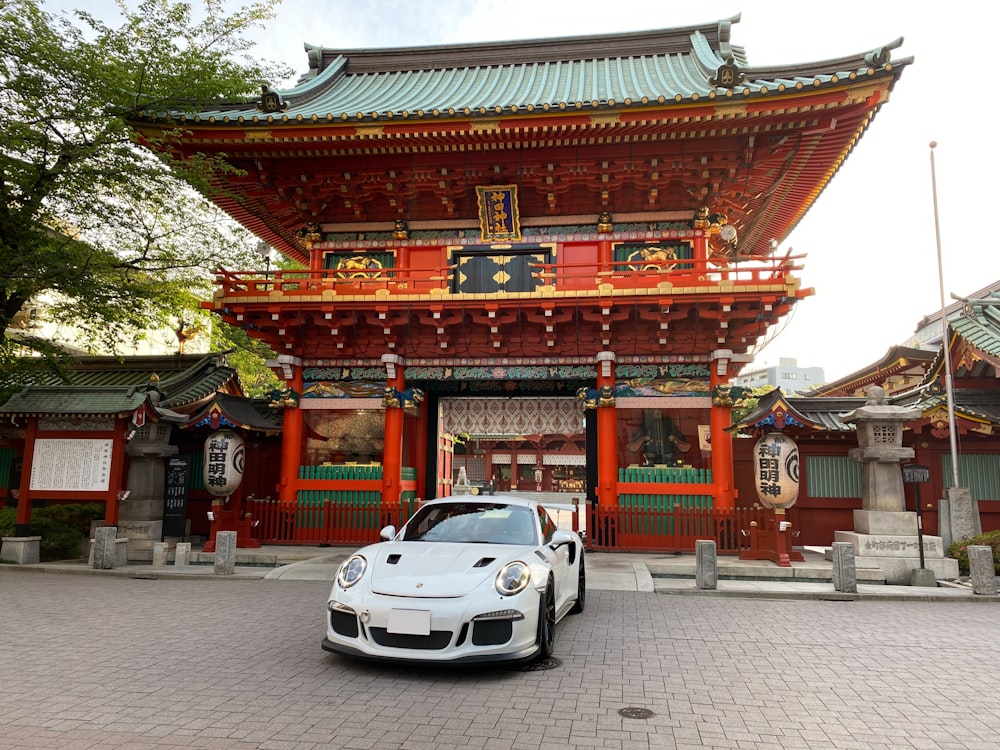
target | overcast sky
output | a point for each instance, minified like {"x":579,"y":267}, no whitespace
{"x":870,"y":237}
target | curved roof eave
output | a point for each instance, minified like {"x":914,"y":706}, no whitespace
{"x":444,"y":81}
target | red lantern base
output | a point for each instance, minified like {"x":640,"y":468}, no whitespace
{"x":229,"y":520}
{"x":772,"y":540}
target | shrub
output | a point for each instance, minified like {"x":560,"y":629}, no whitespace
{"x":61,"y":527}
{"x":959,"y":550}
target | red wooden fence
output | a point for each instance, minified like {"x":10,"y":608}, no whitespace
{"x":677,"y":530}
{"x":607,"y":528}
{"x":329,"y":523}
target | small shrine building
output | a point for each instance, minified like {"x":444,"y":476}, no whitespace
{"x":540,"y":260}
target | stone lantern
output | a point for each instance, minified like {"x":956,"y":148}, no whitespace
{"x":880,"y":451}
{"x":885,"y":534}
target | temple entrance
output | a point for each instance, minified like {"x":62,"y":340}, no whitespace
{"x":523,"y":444}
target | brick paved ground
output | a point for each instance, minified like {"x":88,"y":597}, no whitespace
{"x":103,"y":662}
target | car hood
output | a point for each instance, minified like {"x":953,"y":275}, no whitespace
{"x":439,"y":569}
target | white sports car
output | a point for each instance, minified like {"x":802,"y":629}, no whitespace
{"x":467,"y":579}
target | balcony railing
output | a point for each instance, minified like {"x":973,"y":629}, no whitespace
{"x":583,"y":278}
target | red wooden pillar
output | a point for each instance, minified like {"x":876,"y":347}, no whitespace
{"x":719,"y":419}
{"x":604,"y":256}
{"x":290,"y":371}
{"x":607,"y":434}
{"x":118,"y":472}
{"x":392,"y":456}
{"x":22,"y":521}
{"x":699,"y":249}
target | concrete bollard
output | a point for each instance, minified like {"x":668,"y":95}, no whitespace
{"x":845,"y":573}
{"x":159,"y":553}
{"x":981,"y":570}
{"x":706,"y":564}
{"x":225,"y":553}
{"x":182,"y":554}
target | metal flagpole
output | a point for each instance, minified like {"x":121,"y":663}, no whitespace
{"x":945,"y":343}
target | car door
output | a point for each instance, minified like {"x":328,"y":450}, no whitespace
{"x":559,"y":559}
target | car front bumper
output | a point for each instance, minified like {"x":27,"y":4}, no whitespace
{"x":464,"y":630}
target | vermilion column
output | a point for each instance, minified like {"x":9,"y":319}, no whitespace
{"x":392,"y":456}
{"x":604,"y":255}
{"x":290,"y":371}
{"x":22,"y":521}
{"x":112,"y":504}
{"x":607,"y":433}
{"x":722,"y":442}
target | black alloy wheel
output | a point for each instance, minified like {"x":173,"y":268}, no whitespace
{"x":547,"y":623}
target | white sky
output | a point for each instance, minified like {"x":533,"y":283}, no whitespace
{"x":870,"y":237}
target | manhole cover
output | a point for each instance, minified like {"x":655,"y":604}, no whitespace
{"x":635,"y":712}
{"x":541,"y":665}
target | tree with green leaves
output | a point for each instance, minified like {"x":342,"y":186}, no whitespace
{"x":116,"y":239}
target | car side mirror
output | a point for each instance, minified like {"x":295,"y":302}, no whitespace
{"x":387,"y":533}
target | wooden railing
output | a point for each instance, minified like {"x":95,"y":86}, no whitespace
{"x":569,"y":276}
{"x":676,"y":530}
{"x":355,"y":521}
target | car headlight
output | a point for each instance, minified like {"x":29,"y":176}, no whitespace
{"x":351,"y":571}
{"x":513,"y":578}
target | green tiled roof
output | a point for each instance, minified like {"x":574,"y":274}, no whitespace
{"x":107,"y":385}
{"x":980,"y":324}
{"x":673,"y":65}
{"x":97,"y":400}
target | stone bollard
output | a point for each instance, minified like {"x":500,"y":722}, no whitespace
{"x":105,"y":538}
{"x":182,"y":555}
{"x":225,"y":553}
{"x":981,"y":570}
{"x":706,"y":567}
{"x":845,"y":574}
{"x":159,"y":553}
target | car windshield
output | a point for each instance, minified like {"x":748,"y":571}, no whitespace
{"x":472,"y":523}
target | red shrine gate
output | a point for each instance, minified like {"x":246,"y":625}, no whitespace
{"x":472,"y":224}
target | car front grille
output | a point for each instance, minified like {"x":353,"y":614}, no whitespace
{"x":344,"y":623}
{"x":437,"y":640}
{"x":491,"y":632}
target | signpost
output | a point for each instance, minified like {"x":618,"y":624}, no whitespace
{"x":916,"y":475}
{"x":175,"y":498}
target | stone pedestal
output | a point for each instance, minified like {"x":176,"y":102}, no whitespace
{"x":183,"y":554}
{"x":706,"y":570}
{"x":982,"y":572}
{"x":140,"y":516}
{"x":21,"y":550}
{"x":888,"y":540}
{"x":160,"y":553}
{"x":140,"y":537}
{"x":845,"y":572}
{"x":959,"y":515}
{"x":225,"y":553}
{"x":107,"y":550}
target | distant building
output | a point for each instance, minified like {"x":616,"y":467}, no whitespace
{"x":786,"y":375}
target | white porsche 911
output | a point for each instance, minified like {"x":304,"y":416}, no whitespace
{"x":467,"y":579}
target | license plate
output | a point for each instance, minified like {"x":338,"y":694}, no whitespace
{"x":410,"y":621}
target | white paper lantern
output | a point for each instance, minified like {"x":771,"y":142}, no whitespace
{"x":225,"y":455}
{"x":776,"y":470}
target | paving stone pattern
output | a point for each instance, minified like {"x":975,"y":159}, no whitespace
{"x":103,"y":662}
